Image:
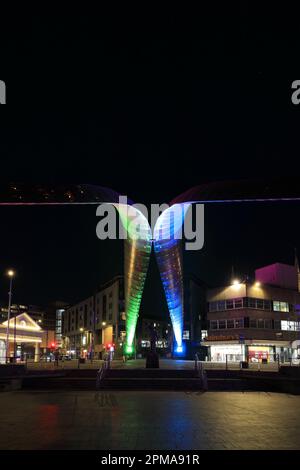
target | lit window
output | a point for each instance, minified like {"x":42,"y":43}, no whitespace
{"x":280,"y":306}
{"x":203,"y":334}
{"x":289,"y":325}
{"x":186,"y":334}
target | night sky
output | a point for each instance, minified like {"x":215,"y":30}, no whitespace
{"x":148,"y":108}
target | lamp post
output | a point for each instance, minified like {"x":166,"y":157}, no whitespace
{"x":81,"y":341}
{"x":10,"y":274}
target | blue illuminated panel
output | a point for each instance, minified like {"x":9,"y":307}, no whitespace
{"x":167,"y":247}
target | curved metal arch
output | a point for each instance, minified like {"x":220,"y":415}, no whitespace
{"x":167,"y":247}
{"x":50,"y":194}
{"x":137,"y":252}
{"x":278,"y":189}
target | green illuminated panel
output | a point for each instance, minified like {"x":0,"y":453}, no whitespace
{"x":136,"y":261}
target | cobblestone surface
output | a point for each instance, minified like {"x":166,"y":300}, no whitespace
{"x":149,"y":420}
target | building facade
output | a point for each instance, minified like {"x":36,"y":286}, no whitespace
{"x":195,"y":315}
{"x":89,"y":326}
{"x":53,"y":320}
{"x":258,"y":321}
{"x":35,"y":312}
{"x":26,"y":339}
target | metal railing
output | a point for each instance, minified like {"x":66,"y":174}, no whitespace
{"x":201,"y":373}
{"x":102,"y":372}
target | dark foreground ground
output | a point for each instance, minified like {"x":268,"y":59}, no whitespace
{"x":149,"y":420}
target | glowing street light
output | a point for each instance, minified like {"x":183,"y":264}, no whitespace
{"x":236,"y":282}
{"x":81,"y":340}
{"x":10,"y":274}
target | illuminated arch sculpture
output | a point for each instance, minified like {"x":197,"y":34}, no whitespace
{"x":168,"y":251}
{"x":137,"y":252}
{"x":167,"y":248}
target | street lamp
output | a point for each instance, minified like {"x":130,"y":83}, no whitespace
{"x":81,"y":341}
{"x":10,"y":274}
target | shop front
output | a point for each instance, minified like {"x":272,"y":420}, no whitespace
{"x":270,"y":351}
{"x":227,"y":352}
{"x":253,"y":351}
{"x":261,"y":354}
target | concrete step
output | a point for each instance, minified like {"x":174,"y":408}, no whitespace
{"x":118,"y":379}
{"x":9,"y":384}
{"x":118,"y":383}
{"x":145,"y":383}
{"x":59,"y":383}
{"x":151,"y":373}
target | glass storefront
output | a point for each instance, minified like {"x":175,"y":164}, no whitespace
{"x":2,"y":351}
{"x":260,"y":353}
{"x":229,"y":352}
{"x":253,"y":353}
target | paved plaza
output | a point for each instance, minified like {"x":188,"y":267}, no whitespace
{"x":149,"y":420}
